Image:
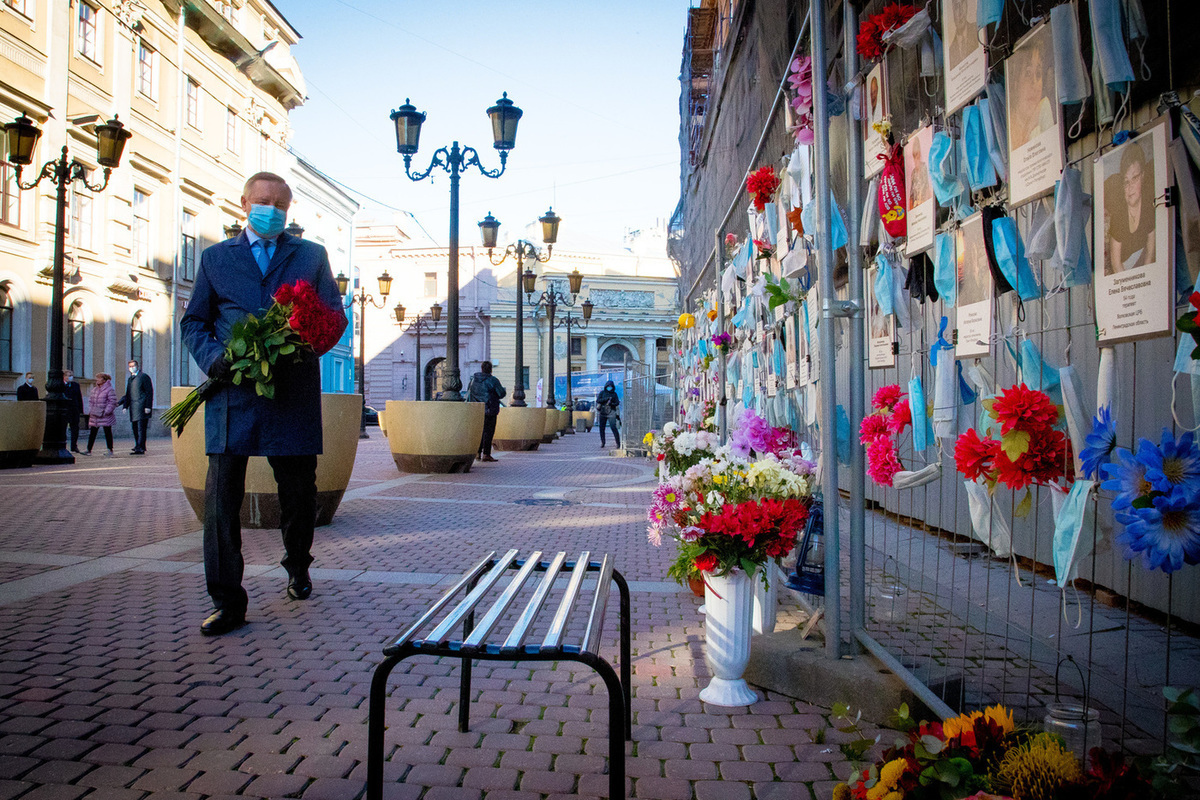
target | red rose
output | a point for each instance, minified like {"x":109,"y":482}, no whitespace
{"x":706,"y":562}
{"x":284,"y":295}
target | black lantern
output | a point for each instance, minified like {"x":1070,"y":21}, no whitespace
{"x":809,"y":576}
{"x":385,"y":284}
{"x":22,"y":135}
{"x":435,"y":312}
{"x":110,"y":143}
{"x":489,"y":229}
{"x":550,"y":226}
{"x":504,"y":116}
{"x":529,"y":281}
{"x":587,"y":309}
{"x":232,"y":231}
{"x":575,"y":280}
{"x":408,"y":128}
{"x":343,"y":283}
{"x":399,"y":312}
{"x":294,"y":229}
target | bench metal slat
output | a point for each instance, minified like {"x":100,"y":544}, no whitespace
{"x":558,"y":625}
{"x":595,"y":625}
{"x":442,"y":602}
{"x":516,"y":637}
{"x":468,"y":603}
{"x":484,"y":626}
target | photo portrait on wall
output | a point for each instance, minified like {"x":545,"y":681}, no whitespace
{"x":874,"y":111}
{"x":881,"y":328}
{"x":974,"y":294}
{"x":1035,"y":142}
{"x":963,"y":52}
{"x":922,"y":207}
{"x":1134,"y":236}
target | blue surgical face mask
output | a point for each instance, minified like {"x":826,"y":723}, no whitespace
{"x":1072,"y":212}
{"x":946,"y":183}
{"x":981,"y":174}
{"x":944,"y":268}
{"x":1070,"y":74}
{"x":1010,"y":256}
{"x":1108,"y":41}
{"x":988,"y":11}
{"x":1068,"y":523}
{"x":267,"y":221}
{"x":884,"y":293}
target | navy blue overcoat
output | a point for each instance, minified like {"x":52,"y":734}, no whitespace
{"x":229,"y":285}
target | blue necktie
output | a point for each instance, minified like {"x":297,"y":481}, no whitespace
{"x":262,"y":255}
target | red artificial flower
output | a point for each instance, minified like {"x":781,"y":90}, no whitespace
{"x":1012,"y":474}
{"x":882,"y":461}
{"x":762,"y":185}
{"x":873,"y":426}
{"x":886,"y":397}
{"x":895,"y":15}
{"x":1021,"y":408}
{"x":705,"y":562}
{"x":869,"y":40}
{"x":974,"y":456}
{"x":900,"y":418}
{"x":1048,"y":457}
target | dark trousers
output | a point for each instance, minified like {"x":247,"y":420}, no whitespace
{"x":139,"y":434}
{"x":612,"y":423}
{"x":223,"y":494}
{"x":107,"y":436}
{"x":73,"y":424}
{"x":489,"y":430}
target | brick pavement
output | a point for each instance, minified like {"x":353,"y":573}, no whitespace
{"x":107,"y":690}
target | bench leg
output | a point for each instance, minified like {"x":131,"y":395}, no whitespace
{"x":464,"y":697}
{"x":617,"y":719}
{"x":626,"y":657}
{"x":376,"y":725}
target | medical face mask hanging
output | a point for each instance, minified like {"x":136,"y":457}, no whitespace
{"x":808,"y":216}
{"x":1079,"y":421}
{"x":1072,"y":214}
{"x":900,"y":296}
{"x":947,"y":186}
{"x":1073,"y":515}
{"x":884,"y":291}
{"x":945,"y":385}
{"x":922,"y":432}
{"x":945,"y":269}
{"x":981,"y":173}
{"x":1070,"y":73}
{"x":989,"y":527}
{"x":988,"y":11}
{"x":1108,"y":43}
{"x":995,"y":128}
{"x":1010,"y":257}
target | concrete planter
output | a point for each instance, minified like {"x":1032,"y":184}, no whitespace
{"x":550,"y":429}
{"x":588,"y":418}
{"x":519,"y":428}
{"x":434,"y":435}
{"x":339,"y":419}
{"x":567,"y":427}
{"x":22,"y":426}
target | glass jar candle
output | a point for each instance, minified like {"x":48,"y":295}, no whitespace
{"x":1078,"y":726}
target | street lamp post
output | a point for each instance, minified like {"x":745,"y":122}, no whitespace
{"x":551,"y":298}
{"x":23,"y":135}
{"x":504,"y":116}
{"x":361,"y":297}
{"x":570,"y":321}
{"x":430,"y":326}
{"x":521,"y":250}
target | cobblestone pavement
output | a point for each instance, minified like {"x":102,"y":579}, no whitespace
{"x":108,"y":691}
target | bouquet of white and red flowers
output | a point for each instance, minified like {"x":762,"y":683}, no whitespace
{"x":296,"y":321}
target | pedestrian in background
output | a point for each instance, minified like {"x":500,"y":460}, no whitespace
{"x":607,"y":404}
{"x":102,"y":411}
{"x":139,"y":399}
{"x":27,"y":391}
{"x":74,"y":396}
{"x":486,"y":388}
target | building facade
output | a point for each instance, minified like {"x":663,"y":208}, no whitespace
{"x":205,"y":88}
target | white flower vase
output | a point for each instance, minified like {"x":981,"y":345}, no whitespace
{"x":729,"y":601}
{"x":766,"y":600}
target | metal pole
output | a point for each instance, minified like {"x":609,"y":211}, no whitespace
{"x":418,"y":394}
{"x":854,"y":178}
{"x":829,"y":484}
{"x":362,"y":360}
{"x":54,"y":442}
{"x":551,"y":401}
{"x":570,"y":398}
{"x":518,"y":400}
{"x":451,"y":381}
{"x":721,"y":362}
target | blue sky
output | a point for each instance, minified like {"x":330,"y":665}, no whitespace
{"x":598,"y":82}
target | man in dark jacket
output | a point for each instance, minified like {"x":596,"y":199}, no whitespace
{"x":139,"y":399}
{"x":607,"y":404}
{"x":486,"y":388}
{"x":27,"y":391}
{"x":238,"y":277}
{"x":74,"y":397}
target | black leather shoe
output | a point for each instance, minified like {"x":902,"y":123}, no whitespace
{"x":222,"y":622}
{"x":299,"y":586}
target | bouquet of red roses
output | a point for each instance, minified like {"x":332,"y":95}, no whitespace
{"x":297,"y":320}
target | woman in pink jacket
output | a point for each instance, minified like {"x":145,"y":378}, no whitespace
{"x":102,"y":411}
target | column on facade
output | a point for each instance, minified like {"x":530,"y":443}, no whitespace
{"x":650,"y":350}
{"x":591,"y":352}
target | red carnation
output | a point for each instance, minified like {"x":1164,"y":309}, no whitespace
{"x":873,"y":426}
{"x":705,"y":562}
{"x":1024,"y":409}
{"x":974,"y":456}
{"x":900,"y":419}
{"x":886,"y":397}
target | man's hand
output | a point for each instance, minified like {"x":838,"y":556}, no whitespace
{"x":123,"y":403}
{"x":222,"y":370}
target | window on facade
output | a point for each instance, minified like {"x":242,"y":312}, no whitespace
{"x":525,"y":377}
{"x":232,"y":130}
{"x":135,"y":339}
{"x":146,"y":69}
{"x":76,"y":339}
{"x":81,"y":221}
{"x":10,"y":196}
{"x":431,"y":284}
{"x":193,"y":103}
{"x":576,"y":345}
{"x":22,"y":7}
{"x":187,"y":247}
{"x":6,"y":329}
{"x":141,"y":228}
{"x":185,"y":367}
{"x":87,"y":35}
{"x":226,"y":10}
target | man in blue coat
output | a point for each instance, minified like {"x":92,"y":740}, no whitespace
{"x":238,"y":277}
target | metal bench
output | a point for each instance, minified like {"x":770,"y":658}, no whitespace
{"x":487,"y":641}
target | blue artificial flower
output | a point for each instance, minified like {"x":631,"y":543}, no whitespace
{"x":1166,"y":535}
{"x":1127,"y":478}
{"x":1172,"y":463}
{"x":1099,"y":444}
